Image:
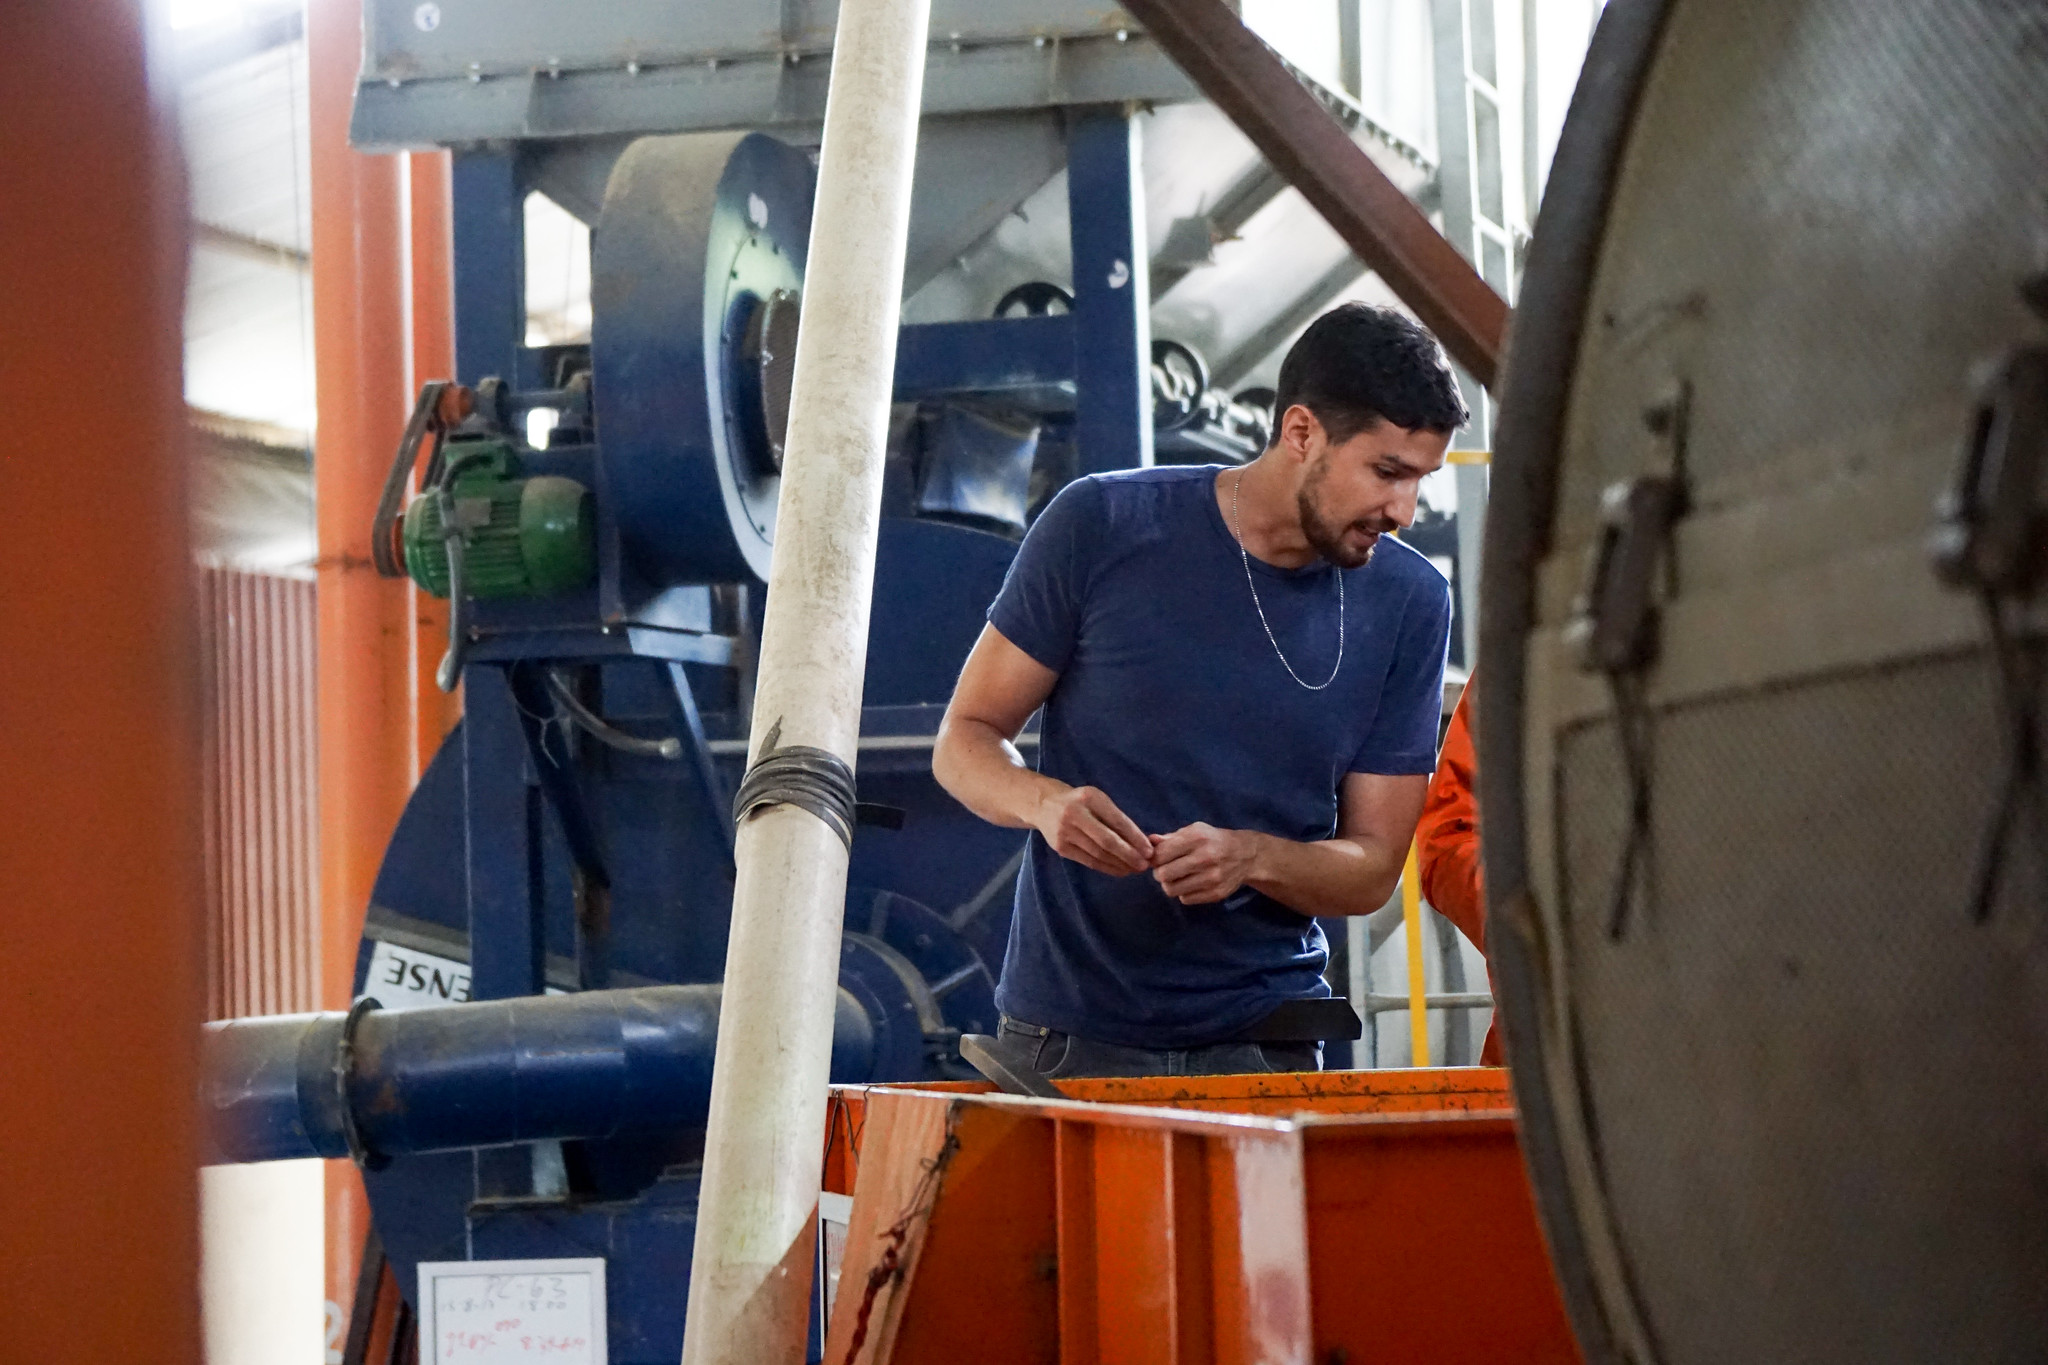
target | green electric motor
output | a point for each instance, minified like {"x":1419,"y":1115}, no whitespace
{"x":520,"y":536}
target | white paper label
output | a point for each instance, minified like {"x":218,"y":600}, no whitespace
{"x":512,"y":1312}
{"x":405,"y":978}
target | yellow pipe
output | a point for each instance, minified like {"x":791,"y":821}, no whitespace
{"x":1411,"y":919}
{"x":1469,"y":457}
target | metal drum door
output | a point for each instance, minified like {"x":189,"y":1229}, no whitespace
{"x":1762,"y":826}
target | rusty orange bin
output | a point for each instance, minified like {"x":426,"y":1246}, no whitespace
{"x":1338,"y":1218}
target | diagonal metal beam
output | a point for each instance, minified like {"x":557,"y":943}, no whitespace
{"x":1300,"y":139}
{"x":259,"y":249}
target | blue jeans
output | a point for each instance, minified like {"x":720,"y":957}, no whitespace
{"x":1056,"y":1055}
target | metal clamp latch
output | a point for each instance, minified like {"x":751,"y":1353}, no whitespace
{"x":1614,"y":622}
{"x":1993,"y":529}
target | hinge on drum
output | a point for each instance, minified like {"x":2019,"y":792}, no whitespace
{"x":1614,"y":621}
{"x":1992,"y":535}
{"x":1614,"y":625}
{"x":1991,"y":538}
{"x":1613,"y":629}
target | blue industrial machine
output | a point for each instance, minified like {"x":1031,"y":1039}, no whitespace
{"x":527,"y":1067}
{"x":574,"y":834}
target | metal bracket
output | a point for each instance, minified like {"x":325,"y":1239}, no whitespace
{"x":344,"y":1066}
{"x":1992,"y":535}
{"x":1991,"y":538}
{"x":1613,"y":629}
{"x":1012,"y":1073}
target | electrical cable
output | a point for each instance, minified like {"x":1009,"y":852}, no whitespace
{"x":597,"y":728}
{"x":456,"y":542}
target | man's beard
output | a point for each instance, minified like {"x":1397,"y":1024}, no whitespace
{"x":1327,"y":539}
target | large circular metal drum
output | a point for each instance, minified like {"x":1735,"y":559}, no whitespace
{"x":1762,"y":824}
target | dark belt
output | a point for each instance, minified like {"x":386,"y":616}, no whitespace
{"x":1306,"y":1021}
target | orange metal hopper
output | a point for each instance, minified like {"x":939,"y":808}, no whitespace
{"x":1338,"y":1218}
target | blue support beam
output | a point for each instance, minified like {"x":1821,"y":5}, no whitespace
{"x":502,"y":850}
{"x":1112,"y":291}
{"x":489,"y":265}
{"x":507,"y":955}
{"x":997,"y":356}
{"x":697,"y":753}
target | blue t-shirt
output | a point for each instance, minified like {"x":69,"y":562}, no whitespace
{"x":1172,"y":701}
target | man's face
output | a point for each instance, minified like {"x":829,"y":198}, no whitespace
{"x":1356,"y":491}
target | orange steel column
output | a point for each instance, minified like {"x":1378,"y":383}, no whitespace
{"x":99,"y":809}
{"x":432,"y":253}
{"x":366,"y":695}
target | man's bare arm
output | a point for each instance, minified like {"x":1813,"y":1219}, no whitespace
{"x":976,"y":759}
{"x":1352,"y":874}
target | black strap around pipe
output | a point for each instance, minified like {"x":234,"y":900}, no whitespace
{"x":816,"y":780}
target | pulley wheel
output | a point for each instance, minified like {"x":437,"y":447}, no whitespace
{"x":1779,"y":1069}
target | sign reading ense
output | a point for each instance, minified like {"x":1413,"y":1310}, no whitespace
{"x":404,"y":978}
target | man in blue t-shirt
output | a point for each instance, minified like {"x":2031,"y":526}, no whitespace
{"x":1242,"y":674}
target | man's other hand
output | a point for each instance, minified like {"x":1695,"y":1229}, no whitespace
{"x":1199,"y":864}
{"x":1083,"y":824}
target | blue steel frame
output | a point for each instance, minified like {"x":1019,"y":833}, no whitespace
{"x":1112,"y":291}
{"x":1100,"y":353}
{"x":501,"y":812}
{"x":489,"y":231}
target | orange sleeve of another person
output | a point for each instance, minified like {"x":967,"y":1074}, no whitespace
{"x":1447,"y":844}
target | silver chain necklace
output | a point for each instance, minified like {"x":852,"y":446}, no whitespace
{"x":1246,"y":556}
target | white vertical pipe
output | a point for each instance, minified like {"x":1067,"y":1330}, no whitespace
{"x":751,"y":1272}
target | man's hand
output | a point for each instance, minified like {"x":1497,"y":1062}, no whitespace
{"x":1083,"y":824}
{"x":1200,"y":864}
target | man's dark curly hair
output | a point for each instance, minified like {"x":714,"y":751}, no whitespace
{"x":1358,"y":365}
